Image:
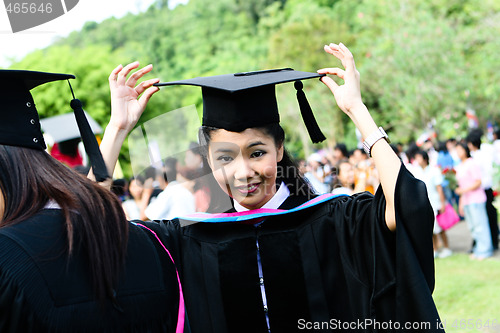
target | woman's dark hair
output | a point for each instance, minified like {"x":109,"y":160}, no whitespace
{"x":95,"y":220}
{"x":497,"y":134}
{"x":411,"y":151}
{"x":474,"y":137}
{"x":464,"y":145}
{"x":442,"y":147}
{"x":170,"y":171}
{"x":424,"y":155}
{"x":343,"y":149}
{"x":288,"y":169}
{"x":336,"y":171}
{"x":118,"y":187}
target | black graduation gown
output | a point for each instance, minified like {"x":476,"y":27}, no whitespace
{"x":332,"y":267}
{"x":40,"y":291}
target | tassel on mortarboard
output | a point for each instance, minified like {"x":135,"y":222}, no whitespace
{"x":238,"y":101}
{"x":307,"y":115}
{"x":89,"y":141}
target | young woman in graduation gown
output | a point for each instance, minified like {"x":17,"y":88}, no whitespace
{"x":69,"y":260}
{"x":361,"y":263}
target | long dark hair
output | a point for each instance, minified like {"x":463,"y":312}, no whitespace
{"x":464,"y":145}
{"x":95,"y":220}
{"x":288,"y":169}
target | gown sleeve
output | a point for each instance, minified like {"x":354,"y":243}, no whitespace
{"x":414,"y":253}
{"x":397,"y":266}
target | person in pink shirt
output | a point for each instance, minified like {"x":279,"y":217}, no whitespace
{"x":472,"y":203}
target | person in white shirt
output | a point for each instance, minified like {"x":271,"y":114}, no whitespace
{"x":175,"y":200}
{"x":132,"y":206}
{"x":484,"y":154}
{"x":315,"y":173}
{"x":433,"y":179}
{"x":344,"y":182}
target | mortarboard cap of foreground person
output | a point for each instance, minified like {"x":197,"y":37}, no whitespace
{"x":19,"y":121}
{"x":239,"y":101}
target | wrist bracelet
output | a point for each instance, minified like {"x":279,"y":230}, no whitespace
{"x":373,"y":138}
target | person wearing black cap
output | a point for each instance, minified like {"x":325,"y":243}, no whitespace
{"x":69,"y":260}
{"x":277,"y":261}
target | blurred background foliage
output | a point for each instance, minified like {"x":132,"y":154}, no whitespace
{"x":421,"y":61}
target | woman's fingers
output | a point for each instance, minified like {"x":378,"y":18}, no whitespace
{"x":333,"y":71}
{"x":114,"y":75}
{"x":346,"y":95}
{"x":328,"y":81}
{"x":350,"y":74}
{"x":145,"y":85}
{"x":132,"y":80}
{"x":122,"y":75}
{"x":332,"y":48}
{"x":348,"y":62}
{"x":147,"y":95}
{"x":341,"y":52}
{"x":118,"y":77}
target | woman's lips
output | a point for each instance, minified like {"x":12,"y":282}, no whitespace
{"x":248,"y":189}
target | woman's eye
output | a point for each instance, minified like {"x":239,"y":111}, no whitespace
{"x":258,"y":153}
{"x":224,"y":158}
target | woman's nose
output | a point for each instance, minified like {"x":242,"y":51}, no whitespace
{"x":243,"y":169}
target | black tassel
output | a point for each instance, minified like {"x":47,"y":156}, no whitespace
{"x":89,"y":141}
{"x":307,"y":115}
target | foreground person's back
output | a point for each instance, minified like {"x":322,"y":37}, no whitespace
{"x":69,"y":259}
{"x":42,"y":291}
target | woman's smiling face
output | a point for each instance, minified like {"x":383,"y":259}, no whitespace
{"x":245,"y":165}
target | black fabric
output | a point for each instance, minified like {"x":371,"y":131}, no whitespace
{"x":492,"y":217}
{"x":19,"y":121}
{"x":90,"y":142}
{"x":330,"y":264}
{"x":238,"y":274}
{"x":239,"y":101}
{"x":308,"y":116}
{"x":42,"y":291}
{"x":236,"y":111}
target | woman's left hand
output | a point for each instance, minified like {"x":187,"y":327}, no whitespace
{"x":348,"y":98}
{"x":348,"y":95}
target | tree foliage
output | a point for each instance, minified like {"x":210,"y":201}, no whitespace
{"x":421,"y":61}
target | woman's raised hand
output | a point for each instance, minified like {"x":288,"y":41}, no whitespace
{"x":347,"y":95}
{"x":348,"y":98}
{"x":126,"y":105}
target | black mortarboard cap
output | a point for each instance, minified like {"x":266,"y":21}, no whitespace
{"x":243,"y":100}
{"x":19,"y":121}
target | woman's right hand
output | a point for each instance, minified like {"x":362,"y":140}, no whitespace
{"x":126,"y":105}
{"x":126,"y":109}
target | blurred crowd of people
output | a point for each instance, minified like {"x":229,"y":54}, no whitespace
{"x":456,"y":173}
{"x":174,"y":189}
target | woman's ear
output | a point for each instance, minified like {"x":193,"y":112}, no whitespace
{"x":280,"y":152}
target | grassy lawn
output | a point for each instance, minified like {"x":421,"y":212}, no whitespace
{"x":467,"y":294}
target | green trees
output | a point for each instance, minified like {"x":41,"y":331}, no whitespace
{"x":421,"y":62}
